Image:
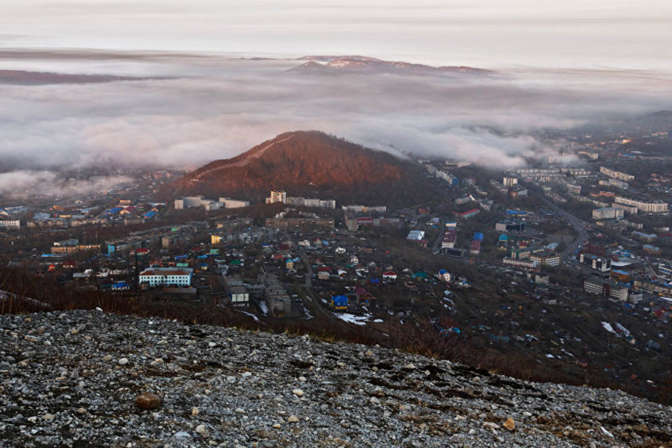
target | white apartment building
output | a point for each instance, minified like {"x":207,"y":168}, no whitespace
{"x":616,"y":174}
{"x":510,"y":181}
{"x":608,"y":213}
{"x":166,"y":277}
{"x":10,"y":224}
{"x":643,"y":206}
{"x":233,"y":203}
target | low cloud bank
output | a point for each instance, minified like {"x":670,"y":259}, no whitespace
{"x":213,"y":108}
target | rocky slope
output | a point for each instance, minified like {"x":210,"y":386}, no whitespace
{"x":306,"y":163}
{"x":77,"y":379}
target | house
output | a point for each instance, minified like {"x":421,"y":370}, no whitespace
{"x":449,"y":239}
{"x":416,"y":235}
{"x":323,"y":273}
{"x":120,"y":286}
{"x":277,"y":197}
{"x":363,"y":296}
{"x":339,"y":303}
{"x":468,"y":214}
{"x":239,"y":295}
{"x":389,"y":275}
{"x":606,"y":288}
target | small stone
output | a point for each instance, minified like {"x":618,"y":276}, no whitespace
{"x":194,"y":412}
{"x":510,"y":424}
{"x":202,"y":430}
{"x":277,"y":426}
{"x":48,"y":417}
{"x":81,"y":411}
{"x":123,"y":361}
{"x":240,"y":411}
{"x":148,"y":400}
{"x":293,"y":419}
{"x":298,"y":392}
{"x":491,"y":425}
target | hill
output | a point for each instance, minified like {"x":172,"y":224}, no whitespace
{"x":363,"y":64}
{"x":91,"y":379}
{"x":309,"y":163}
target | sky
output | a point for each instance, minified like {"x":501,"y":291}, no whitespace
{"x":623,"y":34}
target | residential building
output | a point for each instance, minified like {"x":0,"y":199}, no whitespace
{"x":526,"y":264}
{"x":626,"y":208}
{"x":416,"y":235}
{"x":643,"y":206}
{"x":233,"y":203}
{"x":364,"y":209}
{"x":595,"y":262}
{"x":616,"y":174}
{"x":10,"y":224}
{"x":449,"y":239}
{"x":277,"y":197}
{"x":615,"y":183}
{"x":468,"y":214}
{"x":509,"y":181}
{"x":606,"y":288}
{"x":239,"y":295}
{"x":310,"y":202}
{"x":608,"y":213}
{"x":166,"y":277}
{"x":546,"y":259}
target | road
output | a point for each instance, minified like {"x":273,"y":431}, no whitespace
{"x":578,"y":225}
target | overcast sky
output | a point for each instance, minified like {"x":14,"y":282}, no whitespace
{"x":488,"y":33}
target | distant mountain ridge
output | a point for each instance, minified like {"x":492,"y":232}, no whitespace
{"x":306,"y":163}
{"x":365,"y":64}
{"x":22,"y":77}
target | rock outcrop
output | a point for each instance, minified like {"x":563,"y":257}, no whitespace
{"x":90,"y":379}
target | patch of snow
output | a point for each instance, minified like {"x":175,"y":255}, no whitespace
{"x":378,"y":321}
{"x":263,"y":307}
{"x":607,"y":326}
{"x":353,"y":319}
{"x":253,"y":316}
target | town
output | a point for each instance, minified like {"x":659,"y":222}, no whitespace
{"x":569,"y":262}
